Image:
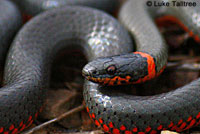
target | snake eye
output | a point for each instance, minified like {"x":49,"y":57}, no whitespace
{"x":111,"y":69}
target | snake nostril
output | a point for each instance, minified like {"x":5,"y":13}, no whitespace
{"x":85,"y":73}
{"x":88,"y":71}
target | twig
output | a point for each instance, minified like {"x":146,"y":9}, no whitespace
{"x":184,"y":66}
{"x":184,"y":58}
{"x":168,"y":132}
{"x":77,"y":109}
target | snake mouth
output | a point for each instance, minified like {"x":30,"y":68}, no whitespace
{"x":106,"y":81}
{"x":100,"y":81}
{"x":88,"y":76}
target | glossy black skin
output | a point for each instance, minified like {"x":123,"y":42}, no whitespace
{"x":177,"y":110}
{"x":10,"y":22}
{"x":31,"y":54}
{"x":28,"y":64}
{"x":112,"y":105}
{"x":34,"y":7}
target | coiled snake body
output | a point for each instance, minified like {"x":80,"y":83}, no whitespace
{"x":99,"y":35}
{"x":10,"y":21}
{"x":177,"y":110}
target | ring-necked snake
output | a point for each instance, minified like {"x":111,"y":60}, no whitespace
{"x":98,"y":35}
{"x":177,"y":110}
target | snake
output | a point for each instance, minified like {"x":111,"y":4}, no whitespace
{"x":97,"y":34}
{"x":117,"y":112}
{"x":29,"y":59}
{"x":10,"y":22}
{"x":34,"y":7}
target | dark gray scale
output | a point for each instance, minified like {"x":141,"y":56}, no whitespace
{"x":10,"y":22}
{"x":133,"y":65}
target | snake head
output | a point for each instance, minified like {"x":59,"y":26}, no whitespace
{"x":117,"y":70}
